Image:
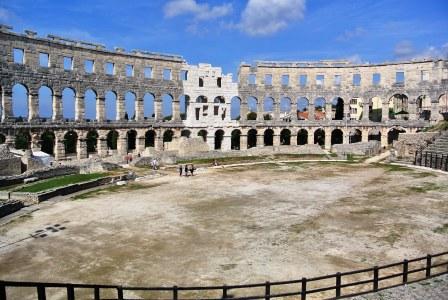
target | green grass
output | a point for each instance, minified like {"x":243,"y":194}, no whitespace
{"x":114,"y":189}
{"x":56,"y":182}
{"x":393,"y":168}
{"x":426,"y":187}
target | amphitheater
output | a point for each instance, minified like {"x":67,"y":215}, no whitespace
{"x":267,"y":222}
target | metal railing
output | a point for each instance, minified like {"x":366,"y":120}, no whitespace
{"x":372,"y":279}
{"x":431,"y":160}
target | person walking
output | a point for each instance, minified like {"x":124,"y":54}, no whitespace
{"x":186,"y":170}
{"x":192,"y":170}
{"x":180,"y":170}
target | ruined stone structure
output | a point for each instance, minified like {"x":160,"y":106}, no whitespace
{"x":157,"y":98}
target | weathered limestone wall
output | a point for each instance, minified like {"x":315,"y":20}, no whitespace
{"x":9,"y":165}
{"x":409,"y":143}
{"x":366,"y":148}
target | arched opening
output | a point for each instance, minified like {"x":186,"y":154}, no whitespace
{"x":70,"y":142}
{"x":150,"y":137}
{"x":443,"y":106}
{"x":112,"y":139}
{"x":355,"y":136}
{"x":184,"y":104}
{"x":129,"y":104}
{"x":236,"y":140}
{"x":268,"y":108}
{"x":375,"y":109}
{"x":319,"y":108}
{"x":219,"y":100}
{"x":319,"y":137}
{"x":185,"y":133}
{"x":111,"y":105}
{"x":302,"y":108}
{"x":167,"y":107}
{"x":337,"y":107}
{"x":68,"y":103}
{"x":374,"y":135}
{"x":148,"y":106}
{"x":235,"y":108}
{"x":45,"y":102}
{"x":337,"y":137}
{"x":302,"y":137}
{"x":131,"y":136}
{"x":285,"y":137}
{"x":90,"y":98}
{"x":20,"y":102}
{"x":47,"y":142}
{"x":251,"y":138}
{"x":393,"y":134}
{"x":92,"y":141}
{"x":201,"y":99}
{"x":203,"y":133}
{"x":201,"y":82}
{"x":252,"y":103}
{"x":22,"y":140}
{"x":398,"y":107}
{"x":2,"y":138}
{"x":168,"y":136}
{"x":219,"y":136}
{"x":269,"y":137}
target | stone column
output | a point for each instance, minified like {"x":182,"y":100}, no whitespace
{"x":101,"y":109}
{"x":345,"y":137}
{"x":328,"y":111}
{"x":384,"y":138}
{"x":243,"y":111}
{"x":276,"y":111}
{"x":310,"y":137}
{"x":276,"y":139}
{"x":260,"y":140}
{"x":158,"y":108}
{"x":6,"y":103}
{"x":211,"y":142}
{"x":158,"y":142}
{"x":59,"y":147}
{"x":226,"y":144}
{"x":57,"y":107}
{"x":243,"y":142}
{"x":122,"y":144}
{"x":412,"y":110}
{"x":311,"y":112}
{"x":435,"y":115}
{"x":81,"y":148}
{"x":102,"y":146}
{"x":327,"y":139}
{"x":80,"y":108}
{"x":365,"y":136}
{"x":33,"y":106}
{"x":347,"y":110}
{"x":176,"y":109}
{"x":365,"y":110}
{"x":385,"y":111}
{"x":139,"y":109}
{"x":121,"y":111}
{"x":293,"y":139}
{"x":260,"y":116}
{"x":140,"y":144}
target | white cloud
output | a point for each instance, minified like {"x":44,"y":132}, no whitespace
{"x":406,"y":50}
{"x":199,"y":11}
{"x":265,"y":17}
{"x":5,"y":15}
{"x":351,"y":34}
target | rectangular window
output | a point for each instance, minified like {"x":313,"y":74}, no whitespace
{"x":285,"y":80}
{"x":320,"y":79}
{"x":376,"y":79}
{"x":337,"y":80}
{"x":399,"y":77}
{"x":268,"y":79}
{"x":166,"y":74}
{"x":148,"y":72}
{"x":110,"y":68}
{"x":356,"y":79}
{"x":424,"y":76}
{"x":252,"y":79}
{"x":44,"y":60}
{"x":216,"y":110}
{"x":444,"y":74}
{"x":129,"y":70}
{"x":89,"y":66}
{"x":19,"y":56}
{"x":184,"y":75}
{"x":68,"y":63}
{"x":303,"y":79}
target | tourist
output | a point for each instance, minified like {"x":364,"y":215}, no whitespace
{"x":186,"y":170}
{"x":180,"y":170}
{"x":192,"y":169}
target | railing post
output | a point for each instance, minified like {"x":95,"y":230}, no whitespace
{"x":120,"y":292}
{"x":70,"y":292}
{"x":267,"y":290}
{"x":96,"y":293}
{"x":224,"y":292}
{"x":303,"y":292}
{"x":405,"y":271}
{"x":2,"y":291}
{"x":175,"y":292}
{"x":375,"y":278}
{"x":338,"y":284}
{"x":428,"y":266}
{"x":41,"y":292}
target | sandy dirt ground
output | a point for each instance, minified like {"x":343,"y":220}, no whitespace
{"x":233,"y":225}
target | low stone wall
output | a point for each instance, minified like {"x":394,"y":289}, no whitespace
{"x":9,"y":207}
{"x":409,"y":143}
{"x":10,"y":166}
{"x":43,"y":173}
{"x":365,"y":148}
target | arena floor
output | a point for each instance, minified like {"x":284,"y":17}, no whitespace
{"x":233,"y":225}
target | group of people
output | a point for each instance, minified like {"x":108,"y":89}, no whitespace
{"x":186,"y":170}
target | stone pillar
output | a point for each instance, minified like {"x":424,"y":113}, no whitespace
{"x":33,"y":106}
{"x":260,"y":116}
{"x":121,"y":111}
{"x":211,"y":142}
{"x":385,"y":111}
{"x":6,"y":104}
{"x":101,"y":109}
{"x":57,"y":107}
{"x":412,"y":110}
{"x":102,"y":146}
{"x":435,"y":114}
{"x":140,"y":144}
{"x":311,"y":112}
{"x":276,"y":139}
{"x":345,"y":137}
{"x":293,"y":139}
{"x":384,"y":138}
{"x":158,"y":142}
{"x":310,"y":137}
{"x":122,"y":144}
{"x":81,"y":148}
{"x":35,"y":142}
{"x":243,"y":142}
{"x":276,"y":111}
{"x":59,"y":147}
{"x":328,"y":111}
{"x":176,"y":109}
{"x":243,"y":111}
{"x":226,"y":144}
{"x":260,"y":140}
{"x":347,"y":110}
{"x":158,"y":108}
{"x":80,"y":108}
{"x":327,"y":139}
{"x":365,"y":110}
{"x":139,"y":109}
{"x":365,"y":136}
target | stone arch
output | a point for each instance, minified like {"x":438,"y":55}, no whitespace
{"x":319,"y":137}
{"x":92,"y":141}
{"x":201,"y":99}
{"x":268,"y":108}
{"x":251,"y":138}
{"x":131,"y":137}
{"x":285,"y":105}
{"x":129,"y":104}
{"x":45,"y":95}
{"x":150,"y":138}
{"x":148,"y":105}
{"x":319,"y":108}
{"x":235,"y":108}
{"x":355,"y":136}
{"x":302,"y":137}
{"x":219,"y":100}
{"x":90,"y":104}
{"x":47,"y":142}
{"x":285,"y":137}
{"x":70,"y":142}
{"x":2,"y":138}
{"x":167,"y":107}
{"x":235,"y":139}
{"x":398,"y":107}
{"x":69,"y":103}
{"x":219,"y":136}
{"x":443,"y":106}
{"x":268,"y":137}
{"x":252,"y":106}
{"x":110,"y":105}
{"x":20,"y":96}
{"x":203,"y":133}
{"x":168,"y":136}
{"x":112,"y":139}
{"x":375,"y":109}
{"x":337,"y":137}
{"x":302,"y":108}
{"x":374,"y":135}
{"x":184,"y":102}
{"x":185,"y":133}
{"x":393,"y":133}
{"x":22,"y":140}
{"x":337,"y":108}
